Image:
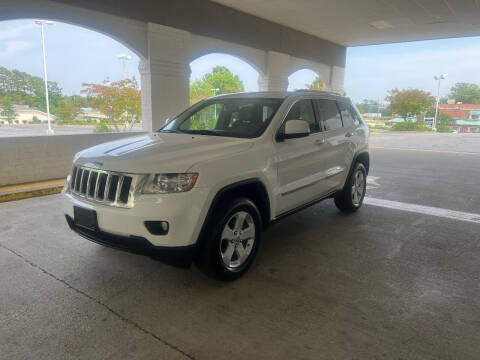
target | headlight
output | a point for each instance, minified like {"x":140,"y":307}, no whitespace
{"x":169,"y":183}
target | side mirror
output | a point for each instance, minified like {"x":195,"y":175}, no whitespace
{"x":167,"y":121}
{"x":296,"y":129}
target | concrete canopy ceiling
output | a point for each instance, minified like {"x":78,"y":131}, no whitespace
{"x":368,"y":22}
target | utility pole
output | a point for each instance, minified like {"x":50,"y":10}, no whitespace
{"x":41,"y":23}
{"x":123,"y":58}
{"x":438,"y":78}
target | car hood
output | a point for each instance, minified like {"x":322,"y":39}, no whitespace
{"x":159,"y":152}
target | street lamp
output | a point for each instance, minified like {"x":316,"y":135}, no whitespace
{"x":437,"y":78}
{"x":215,"y":105}
{"x":41,"y":23}
{"x":123,"y":58}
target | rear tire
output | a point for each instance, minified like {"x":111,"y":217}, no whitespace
{"x":232,"y":240}
{"x":350,"y":198}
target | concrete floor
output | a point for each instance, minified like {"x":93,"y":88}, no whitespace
{"x":379,"y":284}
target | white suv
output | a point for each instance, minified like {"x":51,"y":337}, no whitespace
{"x":207,"y":184}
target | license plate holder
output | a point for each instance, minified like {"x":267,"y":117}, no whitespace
{"x":85,"y":218}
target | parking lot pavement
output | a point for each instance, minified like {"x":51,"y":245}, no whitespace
{"x":443,"y":142}
{"x":381,"y":283}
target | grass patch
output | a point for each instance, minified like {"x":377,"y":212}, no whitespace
{"x":410,"y":126}
{"x":444,"y":129}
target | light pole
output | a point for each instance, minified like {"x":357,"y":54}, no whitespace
{"x":215,"y":106}
{"x":438,"y":78}
{"x":41,"y":23}
{"x":123,"y":58}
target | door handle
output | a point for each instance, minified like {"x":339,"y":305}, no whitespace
{"x":348,"y":134}
{"x":319,"y":142}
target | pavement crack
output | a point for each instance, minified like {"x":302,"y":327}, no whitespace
{"x":99,"y":302}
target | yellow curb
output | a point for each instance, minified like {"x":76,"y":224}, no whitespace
{"x":24,"y":191}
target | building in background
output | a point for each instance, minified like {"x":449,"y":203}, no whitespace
{"x":466,"y":116}
{"x":91,"y":114}
{"x":27,"y":115}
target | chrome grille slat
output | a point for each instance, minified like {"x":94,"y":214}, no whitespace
{"x":87,"y":182}
{"x":95,"y":194}
{"x":82,"y":182}
{"x":107,"y":187}
{"x":119,"y":189}
{"x":87,"y":191}
{"x":79,"y":178}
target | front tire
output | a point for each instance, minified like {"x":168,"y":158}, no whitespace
{"x":232,"y":240}
{"x":350,"y":198}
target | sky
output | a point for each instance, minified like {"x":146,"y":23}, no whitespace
{"x":76,"y":55}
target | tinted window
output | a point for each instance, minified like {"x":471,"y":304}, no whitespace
{"x":329,"y":114}
{"x":303,"y":110}
{"x":349,"y":115}
{"x":226,"y":117}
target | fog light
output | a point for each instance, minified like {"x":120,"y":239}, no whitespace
{"x":157,"y":227}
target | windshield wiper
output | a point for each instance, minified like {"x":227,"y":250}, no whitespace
{"x":202,"y":132}
{"x":175,"y":131}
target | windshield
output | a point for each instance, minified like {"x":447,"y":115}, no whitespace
{"x":245,"y":118}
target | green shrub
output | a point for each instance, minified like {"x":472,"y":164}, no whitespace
{"x":102,"y":128}
{"x":410,"y":126}
{"x":444,"y":129}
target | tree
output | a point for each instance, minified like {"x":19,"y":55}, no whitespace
{"x":220,"y":78}
{"x":410,"y":102}
{"x":25,"y":89}
{"x":8,"y":110}
{"x":317,"y":84}
{"x":120,"y":101}
{"x":445,"y":119}
{"x":369,"y":106}
{"x":66,"y":110}
{"x":465,"y":93}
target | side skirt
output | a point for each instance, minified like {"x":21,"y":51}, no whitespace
{"x":302,"y":207}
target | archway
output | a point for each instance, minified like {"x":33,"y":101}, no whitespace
{"x":75,"y":55}
{"x":237,"y":75}
{"x":301,"y":79}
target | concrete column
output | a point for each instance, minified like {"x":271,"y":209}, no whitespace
{"x":165,"y":75}
{"x":276,"y":75}
{"x":337,"y":78}
{"x":165,"y":91}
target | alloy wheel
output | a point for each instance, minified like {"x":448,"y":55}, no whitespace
{"x":358,"y":187}
{"x":237,"y":240}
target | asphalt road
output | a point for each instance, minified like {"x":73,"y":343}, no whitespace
{"x":383,"y":283}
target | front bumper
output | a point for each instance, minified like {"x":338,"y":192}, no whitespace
{"x":174,"y":255}
{"x":185,"y":213}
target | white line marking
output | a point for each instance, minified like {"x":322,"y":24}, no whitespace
{"x":426,"y":210}
{"x":425,"y":150}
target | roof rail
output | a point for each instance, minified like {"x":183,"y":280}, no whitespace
{"x":331,"y":92}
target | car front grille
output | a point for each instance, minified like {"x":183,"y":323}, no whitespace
{"x":106,"y":187}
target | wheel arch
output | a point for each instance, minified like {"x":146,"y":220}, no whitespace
{"x":253,"y":189}
{"x":363,"y":157}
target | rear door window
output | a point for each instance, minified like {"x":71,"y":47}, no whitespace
{"x":303,"y":110}
{"x":329,"y":114}
{"x":349,"y":115}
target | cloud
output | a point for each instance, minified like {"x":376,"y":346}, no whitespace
{"x":12,"y":32}
{"x":370,"y":74}
{"x":12,"y":47}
